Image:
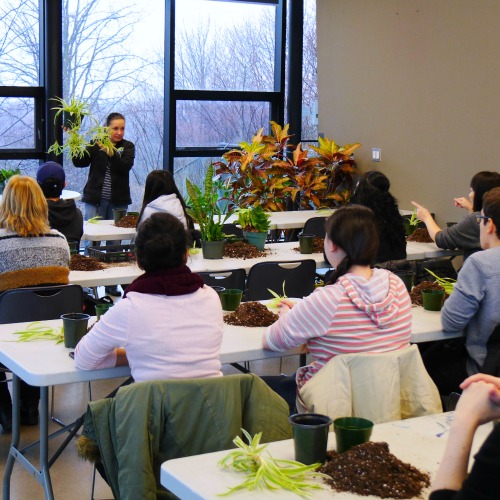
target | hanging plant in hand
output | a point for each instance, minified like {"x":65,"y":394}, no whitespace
{"x":78,"y":140}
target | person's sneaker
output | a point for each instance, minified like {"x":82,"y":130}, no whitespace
{"x":113,"y":291}
{"x":6,"y":419}
{"x":29,"y":416}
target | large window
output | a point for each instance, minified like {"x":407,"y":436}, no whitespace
{"x":187,"y":95}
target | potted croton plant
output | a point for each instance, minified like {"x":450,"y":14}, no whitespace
{"x":254,"y":222}
{"x":205,"y":209}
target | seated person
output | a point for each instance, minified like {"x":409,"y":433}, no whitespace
{"x":361,"y":310}
{"x":168,"y":324}
{"x":372,"y":191}
{"x":479,"y":403}
{"x":474,"y":304}
{"x":63,"y":214}
{"x":31,"y":254}
{"x":465,"y":234}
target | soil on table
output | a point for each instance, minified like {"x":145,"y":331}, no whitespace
{"x":416,"y":291}
{"x":370,"y":469}
{"x":318,"y":245}
{"x":420,"y":235}
{"x":251,"y":314}
{"x":83,"y":263}
{"x":242,"y":250}
{"x":128,"y":221}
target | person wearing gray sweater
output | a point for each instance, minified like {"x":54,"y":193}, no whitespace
{"x":474,"y":304}
{"x":465,"y":234}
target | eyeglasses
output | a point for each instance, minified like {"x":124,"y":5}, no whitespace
{"x":481,"y":217}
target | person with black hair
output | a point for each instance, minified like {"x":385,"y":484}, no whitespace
{"x":162,"y":195}
{"x":465,"y":234}
{"x":168,"y":324}
{"x":362,"y":309}
{"x":372,"y":191}
{"x":108,"y":184}
{"x":63,"y":214}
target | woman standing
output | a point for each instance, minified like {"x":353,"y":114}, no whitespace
{"x":31,"y":254}
{"x":108,"y":185}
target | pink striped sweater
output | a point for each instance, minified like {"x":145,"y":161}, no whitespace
{"x":353,"y":315}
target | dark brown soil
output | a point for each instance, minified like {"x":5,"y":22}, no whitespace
{"x":416,"y":292}
{"x":420,"y":235}
{"x":127,"y":221}
{"x":251,"y":314}
{"x":318,"y":245}
{"x":83,"y":263}
{"x":370,"y":469}
{"x":242,"y":250}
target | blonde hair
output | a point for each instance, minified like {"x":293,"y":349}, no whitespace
{"x":23,"y":208}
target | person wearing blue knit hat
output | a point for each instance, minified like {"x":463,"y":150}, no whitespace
{"x":63,"y":214}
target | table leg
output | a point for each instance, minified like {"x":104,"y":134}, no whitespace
{"x":44,"y":443}
{"x":15,"y":437}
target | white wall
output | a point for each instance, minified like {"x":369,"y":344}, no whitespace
{"x":419,"y":79}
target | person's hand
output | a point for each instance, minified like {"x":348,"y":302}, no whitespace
{"x":463,"y":203}
{"x":422,"y":213}
{"x":108,"y":150}
{"x":284,"y":306}
{"x":478,"y":403}
{"x":482,"y":377}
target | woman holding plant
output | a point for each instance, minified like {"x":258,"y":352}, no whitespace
{"x":108,"y":184}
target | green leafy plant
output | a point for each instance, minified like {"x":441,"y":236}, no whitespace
{"x":78,"y":140}
{"x":446,"y":283}
{"x":264,"y":471}
{"x":414,"y":221}
{"x":205,"y":208}
{"x":253,"y":219}
{"x":277,"y":298}
{"x":7,"y":173}
{"x":95,"y":219}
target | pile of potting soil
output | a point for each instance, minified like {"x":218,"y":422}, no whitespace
{"x":318,"y":245}
{"x":82,"y":263}
{"x":416,"y":291}
{"x":127,"y":221}
{"x":420,"y":235}
{"x":251,"y":314}
{"x":370,"y":469}
{"x":242,"y":250}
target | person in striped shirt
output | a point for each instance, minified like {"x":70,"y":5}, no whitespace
{"x":361,"y":309}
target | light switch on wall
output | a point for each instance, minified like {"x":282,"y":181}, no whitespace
{"x":376,"y":154}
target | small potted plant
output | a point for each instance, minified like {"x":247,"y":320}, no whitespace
{"x":254,"y":222}
{"x":5,"y":175}
{"x":205,"y":209}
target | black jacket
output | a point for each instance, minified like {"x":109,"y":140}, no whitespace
{"x":120,"y":165}
{"x":66,"y":218}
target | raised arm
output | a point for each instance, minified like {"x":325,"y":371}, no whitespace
{"x":425,"y":216}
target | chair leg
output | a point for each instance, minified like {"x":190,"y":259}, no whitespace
{"x":93,"y":482}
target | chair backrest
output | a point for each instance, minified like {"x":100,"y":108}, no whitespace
{"x":234,"y":278}
{"x":39,"y":303}
{"x":298,"y":277}
{"x":381,"y":387}
{"x":315,"y":226}
{"x":232,"y":229}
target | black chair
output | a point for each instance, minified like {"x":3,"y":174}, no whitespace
{"x":315,"y":226}
{"x":232,"y":229}
{"x":298,"y":277}
{"x":39,"y":304}
{"x":491,"y":364}
{"x":234,"y":278}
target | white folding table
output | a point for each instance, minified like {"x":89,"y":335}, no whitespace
{"x":419,"y":441}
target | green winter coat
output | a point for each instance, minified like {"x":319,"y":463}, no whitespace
{"x":150,"y":422}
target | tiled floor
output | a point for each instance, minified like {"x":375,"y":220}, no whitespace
{"x":71,"y":477}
